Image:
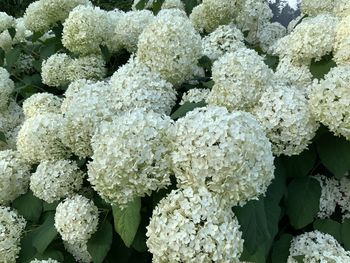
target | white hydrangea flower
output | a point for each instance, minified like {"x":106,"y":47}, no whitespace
{"x":7,"y":86}
{"x":6,"y":21}
{"x":89,"y":67}
{"x":250,"y":16}
{"x":286,"y":116}
{"x":269,"y":35}
{"x":195,"y":95}
{"x":240,"y":78}
{"x":135,"y":86}
{"x":226,"y":152}
{"x":168,"y":4}
{"x":131,"y":156}
{"x":224,"y":39}
{"x":193,"y":226}
{"x":313,"y":38}
{"x":14,"y":176}
{"x":341,"y":8}
{"x":314,"y":8}
{"x":129,"y":27}
{"x":11,"y":229}
{"x":79,"y":251}
{"x":85,"y":109}
{"x":342,"y":40}
{"x":6,"y":41}
{"x":11,"y":139}
{"x":24,"y":64}
{"x":84,"y":30}
{"x":344,"y":201}
{"x":35,"y":17}
{"x":41,"y":103}
{"x":71,"y":92}
{"x":330,"y":195}
{"x":54,"y":180}
{"x":54,"y":71}
{"x":317,"y":247}
{"x":330,"y":101}
{"x":76,"y":219}
{"x":298,"y":76}
{"x":38,"y":138}
{"x":114,"y":44}
{"x":170,"y":45}
{"x":210,"y":14}
{"x":50,"y":260}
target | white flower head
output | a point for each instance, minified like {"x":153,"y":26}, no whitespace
{"x":41,"y":103}
{"x":7,"y":86}
{"x":195,"y":95}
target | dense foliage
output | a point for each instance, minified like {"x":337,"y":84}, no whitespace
{"x":174,"y":131}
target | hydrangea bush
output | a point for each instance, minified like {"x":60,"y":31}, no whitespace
{"x":174,"y":131}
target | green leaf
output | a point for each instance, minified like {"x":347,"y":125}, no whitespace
{"x":320,"y":68}
{"x":334,"y":153}
{"x":189,"y":5}
{"x":254,"y":227}
{"x":258,"y":256}
{"x":2,"y":57}
{"x":300,"y":165}
{"x":157,"y":5}
{"x":205,"y":62}
{"x":271,"y":61}
{"x":278,"y":187}
{"x":299,"y":259}
{"x":345,"y":233}
{"x":186,"y":107}
{"x":12,"y":32}
{"x":36,"y":36}
{"x":329,"y":226}
{"x":12,"y":57}
{"x":50,"y":253}
{"x":303,"y":201}
{"x":100,"y":242}
{"x":2,"y":137}
{"x":105,"y":53}
{"x":140,"y":241}
{"x":141,"y":4}
{"x":127,"y":221}
{"x":28,"y":206}
{"x":45,"y":234}
{"x":280,"y":251}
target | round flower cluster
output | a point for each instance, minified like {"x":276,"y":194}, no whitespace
{"x":210,"y":14}
{"x":286,"y":116}
{"x":131,"y":156}
{"x":330,"y":195}
{"x":60,"y":69}
{"x":135,"y":86}
{"x":330,"y":101}
{"x":50,"y":260}
{"x":269,"y":35}
{"x":193,"y":226}
{"x":6,"y":88}
{"x":224,"y":39}
{"x":195,"y":95}
{"x":6,"y":21}
{"x":317,"y":247}
{"x":84,"y":30}
{"x":226,"y":152}
{"x":85,"y":107}
{"x":289,"y":74}
{"x":54,"y":180}
{"x":170,"y":45}
{"x":130,"y":26}
{"x":41,"y":15}
{"x":311,"y":39}
{"x":6,"y":41}
{"x":76,"y":219}
{"x":11,"y":229}
{"x":14,"y":176}
{"x":38,"y":139}
{"x":342,"y":40}
{"x":41,"y":103}
{"x":240,"y":78}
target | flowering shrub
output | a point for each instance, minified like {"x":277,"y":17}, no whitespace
{"x":175,"y":131}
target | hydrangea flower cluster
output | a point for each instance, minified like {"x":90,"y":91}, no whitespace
{"x":193,"y":226}
{"x":170,"y":45}
{"x":195,"y":95}
{"x":131,"y":156}
{"x":41,"y":103}
{"x":226,"y":152}
{"x":14,"y":176}
{"x":7,"y":22}
{"x":6,"y":88}
{"x":317,"y":247}
{"x":54,"y":180}
{"x":11,"y":229}
{"x":342,"y":40}
{"x":60,"y":69}
{"x":330,"y":101}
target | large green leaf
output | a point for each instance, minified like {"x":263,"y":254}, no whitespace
{"x":2,"y":137}
{"x":329,"y":226}
{"x":280,"y":251}
{"x":345,"y":233}
{"x":127,"y":221}
{"x":186,"y":107}
{"x":45,"y":234}
{"x":254,"y":226}
{"x":303,"y":201}
{"x":320,"y":68}
{"x":334,"y":153}
{"x":300,"y":165}
{"x":100,"y":242}
{"x":28,"y":206}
